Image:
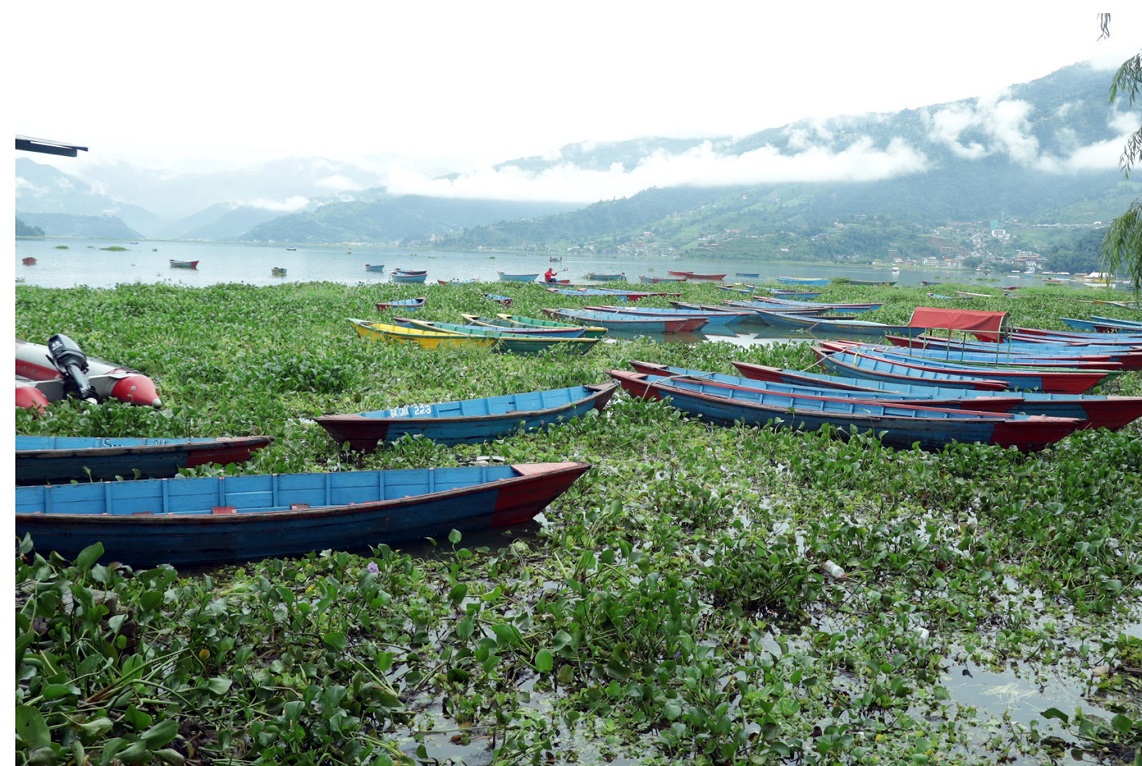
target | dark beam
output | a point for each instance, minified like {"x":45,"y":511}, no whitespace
{"x":24,"y":143}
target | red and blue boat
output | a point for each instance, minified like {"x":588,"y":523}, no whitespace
{"x":56,"y":459}
{"x":219,"y":520}
{"x":895,"y":424}
{"x":1111,"y":412}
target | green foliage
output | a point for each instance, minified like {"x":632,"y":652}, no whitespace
{"x":673,"y":606}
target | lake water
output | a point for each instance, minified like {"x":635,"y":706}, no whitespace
{"x":76,"y":262}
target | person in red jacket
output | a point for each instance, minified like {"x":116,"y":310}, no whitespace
{"x":549,"y":275}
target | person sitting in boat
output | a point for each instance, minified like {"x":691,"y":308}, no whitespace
{"x":549,"y":275}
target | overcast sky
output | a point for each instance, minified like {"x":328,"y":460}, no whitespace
{"x":419,"y":87}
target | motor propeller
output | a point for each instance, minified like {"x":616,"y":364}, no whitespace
{"x":71,"y":362}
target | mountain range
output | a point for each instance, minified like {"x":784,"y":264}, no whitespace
{"x":1043,"y":153}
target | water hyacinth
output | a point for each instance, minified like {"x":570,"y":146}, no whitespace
{"x":704,"y":594}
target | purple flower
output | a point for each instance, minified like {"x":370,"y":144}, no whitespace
{"x":373,"y":568}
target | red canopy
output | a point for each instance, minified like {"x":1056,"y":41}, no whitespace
{"x":987,"y":325}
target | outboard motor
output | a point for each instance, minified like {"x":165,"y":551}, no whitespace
{"x":72,"y":365}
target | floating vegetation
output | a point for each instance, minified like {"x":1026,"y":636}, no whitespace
{"x":704,"y":594}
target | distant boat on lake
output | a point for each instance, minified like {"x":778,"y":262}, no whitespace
{"x":183,"y":264}
{"x":378,"y":267}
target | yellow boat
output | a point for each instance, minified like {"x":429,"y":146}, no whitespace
{"x":396,"y":334}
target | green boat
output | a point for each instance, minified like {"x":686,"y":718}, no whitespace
{"x":590,"y":332}
{"x":505,"y":342}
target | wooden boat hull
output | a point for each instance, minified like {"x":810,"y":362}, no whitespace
{"x":506,"y":341}
{"x":923,"y":396}
{"x":1110,"y":412}
{"x":904,"y":426}
{"x":34,"y":369}
{"x":470,"y":421}
{"x":506,"y":325}
{"x":53,"y":459}
{"x":605,"y":277}
{"x":826,"y":326}
{"x":717,"y":322}
{"x":619,"y":323}
{"x":430,"y":340}
{"x":407,"y":304}
{"x":375,"y":267}
{"x":207,"y":521}
{"x":408,"y":279}
{"x":525,"y":321}
{"x":1024,"y":379}
{"x":517,"y":277}
{"x":183,"y":264}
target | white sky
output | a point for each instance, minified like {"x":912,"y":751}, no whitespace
{"x":418,"y":88}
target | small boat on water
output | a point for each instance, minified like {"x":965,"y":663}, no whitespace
{"x":595,"y":276}
{"x":377,"y":267}
{"x":748,"y":274}
{"x":405,"y":276}
{"x":61,"y":459}
{"x":407,"y":304}
{"x":717,"y":322}
{"x":50,"y":373}
{"x":219,"y":520}
{"x":277,"y":271}
{"x":469,"y":421}
{"x":896,"y":424}
{"x":690,"y":276}
{"x":828,"y":326}
{"x":517,"y":277}
{"x":28,"y":261}
{"x":183,"y":264}
{"x":291,"y":249}
{"x":814,"y":281}
{"x":655,"y":280}
{"x":627,"y":323}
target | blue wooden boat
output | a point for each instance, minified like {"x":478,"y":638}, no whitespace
{"x":407,"y":304}
{"x":829,"y":326}
{"x":404,"y":276}
{"x":517,"y":277}
{"x":56,"y":459}
{"x":218,"y":520}
{"x":717,"y":322}
{"x":897,"y":425}
{"x":851,"y":308}
{"x":842,"y":327}
{"x":508,"y":325}
{"x":925,"y":396}
{"x":378,"y":267}
{"x":469,"y":421}
{"x":1110,"y":412}
{"x":503,"y":300}
{"x":812,"y":281}
{"x":1102,"y":324}
{"x":647,"y":280}
{"x":628,"y":323}
{"x":1026,"y":354}
{"x":748,"y":274}
{"x":1053,"y":381}
{"x":883,"y":369}
{"x":595,"y":276}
